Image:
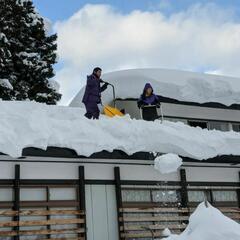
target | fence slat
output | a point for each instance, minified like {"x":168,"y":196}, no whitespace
{"x":79,"y":238}
{"x":41,"y":222}
{"x":155,"y":210}
{"x":142,"y":235}
{"x":153,"y":227}
{"x":41,"y":232}
{"x":153,"y":219}
{"x":9,"y":213}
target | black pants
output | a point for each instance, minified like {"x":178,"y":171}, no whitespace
{"x":92,"y":111}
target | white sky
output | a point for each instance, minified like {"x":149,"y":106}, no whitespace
{"x":204,"y":37}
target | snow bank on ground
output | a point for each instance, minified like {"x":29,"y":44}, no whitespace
{"x":29,"y":124}
{"x":166,"y":232}
{"x":180,"y":85}
{"x":167,"y":163}
{"x":209,"y":224}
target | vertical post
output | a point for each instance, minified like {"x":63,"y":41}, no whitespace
{"x":81,"y":191}
{"x":48,"y":216}
{"x":16,"y":206}
{"x":184,"y":193}
{"x":118,"y":198}
{"x":238,"y":191}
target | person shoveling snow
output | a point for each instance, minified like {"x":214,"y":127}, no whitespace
{"x":148,"y":97}
{"x":148,"y":104}
{"x":92,"y":95}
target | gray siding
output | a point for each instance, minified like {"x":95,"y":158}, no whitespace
{"x":101,"y":212}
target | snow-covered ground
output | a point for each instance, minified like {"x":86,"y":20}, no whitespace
{"x":29,"y":124}
{"x":209,"y":224}
{"x":180,"y":85}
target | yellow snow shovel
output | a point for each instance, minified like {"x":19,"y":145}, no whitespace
{"x":112,"y":111}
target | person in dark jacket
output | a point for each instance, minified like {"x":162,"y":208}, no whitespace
{"x":92,"y":95}
{"x":148,"y":97}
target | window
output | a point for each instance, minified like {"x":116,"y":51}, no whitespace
{"x":150,"y":195}
{"x":33,"y":194}
{"x":200,"y":124}
{"x":236,"y":127}
{"x":176,"y":120}
{"x":6,"y":194}
{"x":219,"y":126}
{"x":136,"y":196}
{"x":225,"y":196}
{"x":63,"y":193}
{"x":198,"y":196}
{"x":165,"y":196}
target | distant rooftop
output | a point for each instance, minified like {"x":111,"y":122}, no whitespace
{"x":174,"y":84}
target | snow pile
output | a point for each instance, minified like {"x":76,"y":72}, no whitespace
{"x":30,"y":124}
{"x":180,"y":85}
{"x":166,"y":232}
{"x":209,"y":224}
{"x":167,"y":163}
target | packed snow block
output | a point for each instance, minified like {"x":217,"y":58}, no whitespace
{"x":167,"y":163}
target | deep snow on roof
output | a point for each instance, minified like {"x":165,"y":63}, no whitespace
{"x":179,"y":85}
{"x":29,"y":124}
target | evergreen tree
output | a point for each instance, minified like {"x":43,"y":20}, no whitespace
{"x":27,"y":54}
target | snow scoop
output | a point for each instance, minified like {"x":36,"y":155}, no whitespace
{"x":112,"y":111}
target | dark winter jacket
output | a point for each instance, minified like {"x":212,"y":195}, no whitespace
{"x":93,"y":90}
{"x":148,"y":100}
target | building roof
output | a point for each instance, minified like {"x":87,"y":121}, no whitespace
{"x":29,"y":124}
{"x":174,"y":84}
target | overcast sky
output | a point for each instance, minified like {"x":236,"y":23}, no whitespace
{"x":202,"y":36}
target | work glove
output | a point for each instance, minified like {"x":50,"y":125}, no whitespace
{"x":105,"y":85}
{"x":140,"y":105}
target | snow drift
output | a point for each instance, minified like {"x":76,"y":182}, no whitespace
{"x":179,"y":85}
{"x":209,"y":224}
{"x":29,"y":124}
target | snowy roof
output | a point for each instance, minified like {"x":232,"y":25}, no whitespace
{"x":179,"y":85}
{"x":29,"y":124}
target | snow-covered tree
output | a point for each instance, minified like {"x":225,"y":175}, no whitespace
{"x":6,"y":89}
{"x":27,"y":54}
